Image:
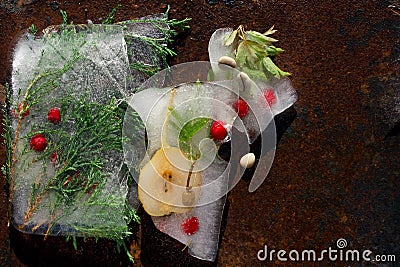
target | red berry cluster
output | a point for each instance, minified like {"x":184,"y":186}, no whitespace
{"x":190,"y":226}
{"x":38,"y":142}
{"x":218,"y":128}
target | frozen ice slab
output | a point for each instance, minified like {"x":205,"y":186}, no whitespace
{"x":77,"y":183}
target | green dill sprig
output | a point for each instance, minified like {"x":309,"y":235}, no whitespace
{"x":166,"y":26}
{"x":33,"y":29}
{"x":38,"y":87}
{"x":64,"y":18}
{"x":147,"y":69}
{"x":110,"y":17}
{"x":173,"y":24}
{"x":96,"y":131}
{"x":158,"y":45}
{"x":7,"y":135}
{"x":168,"y":29}
{"x":74,"y":241}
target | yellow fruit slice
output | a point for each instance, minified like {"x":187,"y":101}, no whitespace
{"x":163,"y":181}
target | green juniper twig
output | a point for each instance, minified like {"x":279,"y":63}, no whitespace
{"x":110,"y":17}
{"x":168,"y":29}
{"x":96,"y":131}
{"x":34,"y":89}
{"x":7,"y":135}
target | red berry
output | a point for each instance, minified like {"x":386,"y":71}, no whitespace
{"x":54,"y":115}
{"x":218,"y":131}
{"x":38,"y":142}
{"x":241,"y":108}
{"x":269,"y":96}
{"x":190,"y":226}
{"x":91,"y":188}
{"x":22,"y":111}
{"x":53,"y":157}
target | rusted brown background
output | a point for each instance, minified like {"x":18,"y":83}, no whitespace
{"x":336,"y":171}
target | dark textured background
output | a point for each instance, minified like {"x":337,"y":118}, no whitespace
{"x":336,"y":171}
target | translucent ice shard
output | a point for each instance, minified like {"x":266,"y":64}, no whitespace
{"x":221,"y":44}
{"x":177,"y":107}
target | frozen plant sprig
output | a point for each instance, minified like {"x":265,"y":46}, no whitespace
{"x":188,"y":129}
{"x":169,"y":29}
{"x":33,"y":29}
{"x":173,"y":24}
{"x":147,"y":69}
{"x":253,"y":52}
{"x":79,"y":156}
{"x":110,"y":17}
{"x":78,"y":175}
{"x":7,"y":135}
{"x":167,"y":26}
{"x":38,"y":87}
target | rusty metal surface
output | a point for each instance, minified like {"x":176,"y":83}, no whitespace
{"x":336,"y":171}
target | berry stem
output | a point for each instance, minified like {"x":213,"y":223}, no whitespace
{"x":189,"y":176}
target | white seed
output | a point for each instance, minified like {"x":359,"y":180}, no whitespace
{"x":248,"y":160}
{"x":244,"y":77}
{"x":227,"y":61}
{"x":244,"y":81}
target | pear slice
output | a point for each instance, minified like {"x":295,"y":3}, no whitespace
{"x":163,"y":183}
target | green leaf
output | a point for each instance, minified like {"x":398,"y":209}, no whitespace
{"x":64,"y":19}
{"x":273,"y":51}
{"x":231,"y":38}
{"x":270,"y":66}
{"x":176,"y":115}
{"x":191,"y":128}
{"x":259,"y":38}
{"x":259,"y":50}
{"x":33,"y":29}
{"x":245,"y":54}
{"x":256,"y":72}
